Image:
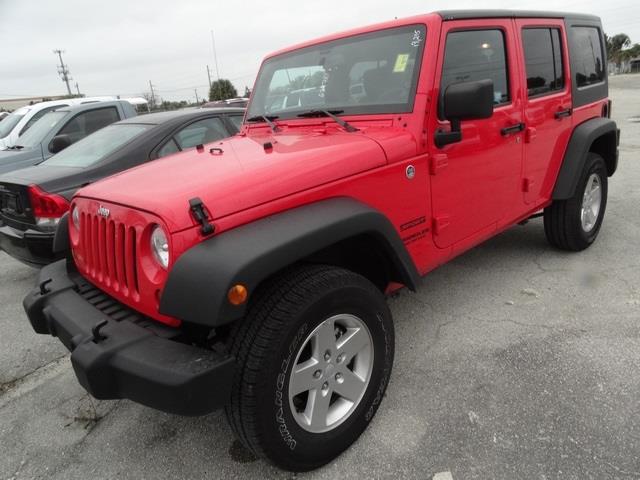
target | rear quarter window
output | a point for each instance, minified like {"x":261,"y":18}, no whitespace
{"x":588,"y":63}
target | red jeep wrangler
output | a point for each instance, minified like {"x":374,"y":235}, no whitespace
{"x":251,"y":274}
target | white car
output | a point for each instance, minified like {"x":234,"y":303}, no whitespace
{"x":18,"y":122}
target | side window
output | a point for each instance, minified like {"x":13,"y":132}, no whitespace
{"x":236,"y":121}
{"x":86,"y":123}
{"x":38,"y":116}
{"x":203,"y":131}
{"x":543,"y":60}
{"x":169,"y":148}
{"x":476,"y":55}
{"x":588,"y":65}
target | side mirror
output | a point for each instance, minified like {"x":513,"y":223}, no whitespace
{"x":59,"y":143}
{"x":464,"y":101}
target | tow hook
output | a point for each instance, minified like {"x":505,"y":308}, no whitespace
{"x":43,"y":286}
{"x":95,"y":331}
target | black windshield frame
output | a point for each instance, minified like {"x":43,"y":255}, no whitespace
{"x":257,"y":106}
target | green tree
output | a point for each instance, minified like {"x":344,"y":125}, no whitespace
{"x":616,"y":46}
{"x":222,"y":90}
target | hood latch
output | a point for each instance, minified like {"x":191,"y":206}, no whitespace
{"x":199,"y":212}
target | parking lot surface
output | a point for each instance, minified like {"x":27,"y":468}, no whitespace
{"x":514,"y":361}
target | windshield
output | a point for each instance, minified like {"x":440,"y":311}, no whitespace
{"x":9,"y":123}
{"x":363,"y":74}
{"x":32,"y":137}
{"x":90,"y":150}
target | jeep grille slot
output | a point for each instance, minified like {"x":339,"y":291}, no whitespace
{"x":110,"y":253}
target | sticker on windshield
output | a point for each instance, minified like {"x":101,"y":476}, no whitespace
{"x":401,"y":62}
{"x":417,"y":38}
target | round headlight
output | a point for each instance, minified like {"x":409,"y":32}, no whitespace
{"x":160,"y":246}
{"x":75,"y":217}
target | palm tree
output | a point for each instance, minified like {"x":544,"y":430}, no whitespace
{"x":616,"y":46}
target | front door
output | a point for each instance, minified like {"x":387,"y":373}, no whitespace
{"x":547,"y":103}
{"x":477,"y":181}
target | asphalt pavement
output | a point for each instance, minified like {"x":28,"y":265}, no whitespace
{"x":514,"y":361}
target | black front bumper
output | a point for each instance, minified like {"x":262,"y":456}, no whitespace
{"x":129,"y":356}
{"x":30,"y":247}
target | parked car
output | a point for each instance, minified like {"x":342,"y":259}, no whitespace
{"x":252,"y":275}
{"x":56,"y":130}
{"x":20,"y":120}
{"x":33,"y":199}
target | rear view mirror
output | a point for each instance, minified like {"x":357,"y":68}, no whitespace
{"x":59,"y":143}
{"x":464,"y":101}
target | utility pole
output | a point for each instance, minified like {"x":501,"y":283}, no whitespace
{"x":209,"y":76}
{"x":78,"y":89}
{"x":153,"y":96}
{"x":215,"y":55}
{"x":196,"y":91}
{"x":63,"y":70}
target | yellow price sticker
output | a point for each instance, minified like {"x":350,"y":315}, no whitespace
{"x":401,"y":62}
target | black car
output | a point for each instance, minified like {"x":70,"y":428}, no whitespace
{"x":33,"y":199}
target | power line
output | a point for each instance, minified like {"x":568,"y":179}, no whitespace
{"x":63,"y":70}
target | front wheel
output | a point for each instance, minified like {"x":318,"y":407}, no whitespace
{"x":314,"y":356}
{"x":573,"y":224}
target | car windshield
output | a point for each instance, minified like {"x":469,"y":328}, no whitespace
{"x":36,"y":133}
{"x":10,"y":122}
{"x":92,"y":149}
{"x":362,"y":74}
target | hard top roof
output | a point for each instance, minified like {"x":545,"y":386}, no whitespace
{"x":488,"y":13}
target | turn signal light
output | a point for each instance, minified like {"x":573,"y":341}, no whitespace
{"x":237,"y":294}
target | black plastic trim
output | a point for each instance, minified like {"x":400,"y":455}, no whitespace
{"x":581,"y":140}
{"x":196,"y":290}
{"x":117,"y":353}
{"x":61,"y":243}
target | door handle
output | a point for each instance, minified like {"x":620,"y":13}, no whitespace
{"x":563,"y":113}
{"x":518,"y":127}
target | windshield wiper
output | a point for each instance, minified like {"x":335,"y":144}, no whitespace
{"x":267,"y":119}
{"x":15,"y":147}
{"x":333,"y":114}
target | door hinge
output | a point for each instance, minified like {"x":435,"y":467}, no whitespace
{"x":199,"y":212}
{"x":438,"y":162}
{"x":440,"y":222}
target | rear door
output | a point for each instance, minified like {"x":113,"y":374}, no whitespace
{"x":548,"y":114}
{"x":476,"y":182}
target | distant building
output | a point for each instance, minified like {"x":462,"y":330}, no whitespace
{"x":11,"y":104}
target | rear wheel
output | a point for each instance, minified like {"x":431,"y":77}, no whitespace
{"x":314,"y":355}
{"x":573,"y":224}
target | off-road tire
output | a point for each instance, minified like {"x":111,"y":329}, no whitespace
{"x":281,"y":315}
{"x":562,"y":219}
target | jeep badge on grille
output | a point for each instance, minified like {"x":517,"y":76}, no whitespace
{"x":103,"y":212}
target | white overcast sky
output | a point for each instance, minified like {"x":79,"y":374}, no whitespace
{"x":117,"y":46}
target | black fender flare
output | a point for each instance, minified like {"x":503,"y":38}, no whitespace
{"x":583,"y":137}
{"x":61,"y":242}
{"x":197,"y":286}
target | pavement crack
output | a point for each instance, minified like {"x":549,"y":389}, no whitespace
{"x":11,"y":384}
{"x":601,"y":461}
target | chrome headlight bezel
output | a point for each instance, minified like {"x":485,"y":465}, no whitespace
{"x":75,"y":217}
{"x":159,"y":243}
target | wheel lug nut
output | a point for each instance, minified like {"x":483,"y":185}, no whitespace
{"x":325,"y":385}
{"x":340,"y":358}
{"x":339,"y":378}
{"x":317,"y":374}
{"x":327,"y":356}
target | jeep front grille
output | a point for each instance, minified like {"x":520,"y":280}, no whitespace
{"x":110,"y":251}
